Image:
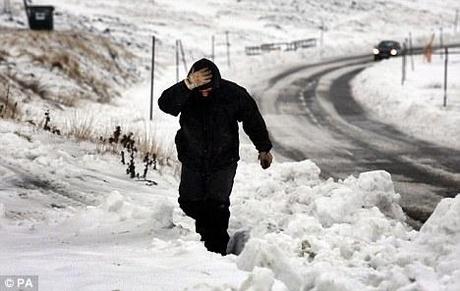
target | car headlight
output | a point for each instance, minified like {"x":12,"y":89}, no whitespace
{"x":375,"y":51}
{"x":393,"y":52}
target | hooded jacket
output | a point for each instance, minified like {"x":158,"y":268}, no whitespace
{"x":208,"y":137}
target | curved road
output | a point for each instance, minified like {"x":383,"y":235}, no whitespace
{"x":311,"y":114}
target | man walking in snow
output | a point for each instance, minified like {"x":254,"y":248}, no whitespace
{"x":208,"y":145}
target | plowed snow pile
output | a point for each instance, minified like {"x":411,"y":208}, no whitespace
{"x":93,"y":228}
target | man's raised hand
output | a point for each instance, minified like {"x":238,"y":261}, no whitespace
{"x":198,"y":78}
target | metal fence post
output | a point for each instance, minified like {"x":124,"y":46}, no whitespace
{"x":441,"y":40}
{"x":411,"y":51}
{"x":446,"y":62}
{"x":183,"y":56}
{"x":403,"y":75}
{"x":152,"y":81}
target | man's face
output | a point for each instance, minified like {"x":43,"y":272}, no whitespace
{"x":206,"y":92}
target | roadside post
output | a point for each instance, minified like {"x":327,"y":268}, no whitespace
{"x":446,"y":63}
{"x":441,"y":40}
{"x":184,"y":62}
{"x":404,"y":63}
{"x":411,"y":51}
{"x":152,"y":80}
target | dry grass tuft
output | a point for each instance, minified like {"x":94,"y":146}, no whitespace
{"x":3,"y":55}
{"x":9,"y":107}
{"x":80,"y":127}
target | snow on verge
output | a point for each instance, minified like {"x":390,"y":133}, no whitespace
{"x":344,"y":235}
{"x":417,"y":107}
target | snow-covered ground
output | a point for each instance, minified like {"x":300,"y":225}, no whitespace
{"x":70,"y":214}
{"x":417,"y":107}
{"x":73,"y":210}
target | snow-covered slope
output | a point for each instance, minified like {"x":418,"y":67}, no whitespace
{"x":351,"y":27}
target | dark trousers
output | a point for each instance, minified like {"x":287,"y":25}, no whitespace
{"x":205,"y":197}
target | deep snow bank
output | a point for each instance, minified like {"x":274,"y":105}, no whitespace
{"x":345,"y":235}
{"x":97,"y":229}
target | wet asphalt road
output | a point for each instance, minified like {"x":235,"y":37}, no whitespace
{"x":312,"y":115}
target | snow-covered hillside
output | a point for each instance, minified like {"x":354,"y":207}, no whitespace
{"x":70,"y":214}
{"x":351,"y":27}
{"x":63,"y":68}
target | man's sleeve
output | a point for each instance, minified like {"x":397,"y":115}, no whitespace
{"x":173,"y":99}
{"x":253,"y":122}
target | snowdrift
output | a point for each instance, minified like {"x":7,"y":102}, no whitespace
{"x":306,"y":233}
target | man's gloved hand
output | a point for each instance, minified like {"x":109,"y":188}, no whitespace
{"x":198,"y":78}
{"x":265,"y":159}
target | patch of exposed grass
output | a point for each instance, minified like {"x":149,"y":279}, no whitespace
{"x":31,"y":83}
{"x":83,"y":128}
{"x":92,"y":65}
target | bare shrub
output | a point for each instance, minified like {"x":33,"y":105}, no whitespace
{"x":149,"y":150}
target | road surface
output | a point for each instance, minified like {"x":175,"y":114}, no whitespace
{"x":311,"y":114}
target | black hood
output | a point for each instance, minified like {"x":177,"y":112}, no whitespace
{"x":205,"y":63}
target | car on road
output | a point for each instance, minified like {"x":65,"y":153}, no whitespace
{"x":386,"y":49}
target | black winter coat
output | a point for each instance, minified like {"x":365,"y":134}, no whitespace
{"x":208,"y":136}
